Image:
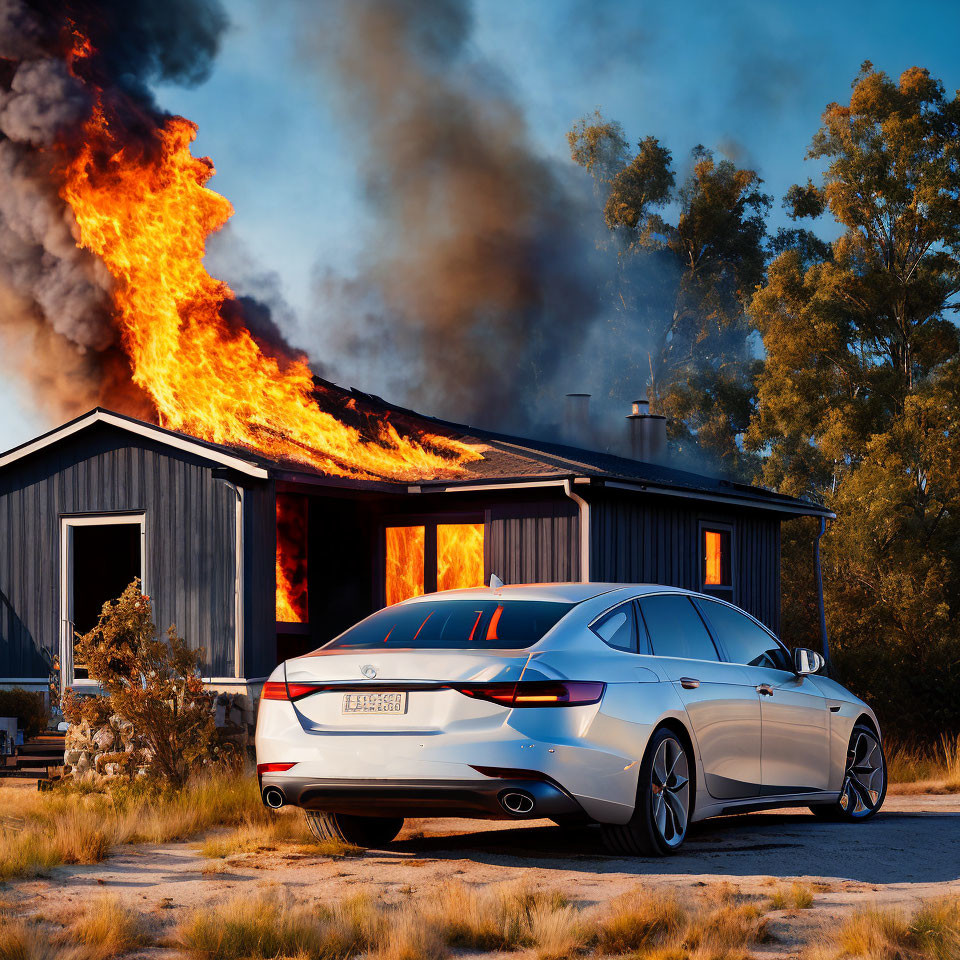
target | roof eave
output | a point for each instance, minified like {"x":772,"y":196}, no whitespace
{"x":139,"y":428}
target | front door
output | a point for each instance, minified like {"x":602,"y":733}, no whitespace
{"x":100,"y":556}
{"x":721,"y":700}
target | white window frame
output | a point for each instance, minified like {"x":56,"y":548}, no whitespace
{"x":67,"y":525}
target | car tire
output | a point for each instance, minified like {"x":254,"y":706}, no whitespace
{"x":864,"y":780}
{"x":660,"y":819}
{"x":360,"y":831}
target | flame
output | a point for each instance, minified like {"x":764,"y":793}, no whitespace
{"x":291,"y":558}
{"x":713,"y":551}
{"x":459,"y":555}
{"x":146,"y":213}
{"x":404,"y":563}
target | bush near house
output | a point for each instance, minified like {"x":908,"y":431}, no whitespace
{"x":29,"y":708}
{"x":152,"y":684}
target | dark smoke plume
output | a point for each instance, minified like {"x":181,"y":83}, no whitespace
{"x":55,"y":308}
{"x":478,"y":281}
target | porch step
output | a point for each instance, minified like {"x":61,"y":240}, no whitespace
{"x":36,"y":759}
{"x":12,"y":773}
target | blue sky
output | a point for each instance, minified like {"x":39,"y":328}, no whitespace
{"x":747,"y":78}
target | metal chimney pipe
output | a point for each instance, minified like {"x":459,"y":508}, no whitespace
{"x":576,"y":419}
{"x":648,"y":433}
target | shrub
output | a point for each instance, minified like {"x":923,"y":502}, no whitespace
{"x":29,"y":708}
{"x":153,"y":683}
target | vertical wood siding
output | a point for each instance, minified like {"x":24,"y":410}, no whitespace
{"x":656,"y":540}
{"x":189,"y":548}
{"x":533,"y":542}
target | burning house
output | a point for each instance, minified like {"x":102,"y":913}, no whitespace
{"x":263,"y":510}
{"x":258,"y":558}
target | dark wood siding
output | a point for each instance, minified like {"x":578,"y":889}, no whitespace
{"x":189,"y":541}
{"x":655,"y":539}
{"x":533,"y":542}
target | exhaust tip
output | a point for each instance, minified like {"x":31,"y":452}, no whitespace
{"x":273,"y":797}
{"x":517,"y":802}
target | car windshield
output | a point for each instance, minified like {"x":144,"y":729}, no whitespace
{"x":454,"y":624}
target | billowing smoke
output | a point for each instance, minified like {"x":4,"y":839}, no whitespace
{"x":478,"y":280}
{"x":55,"y":305}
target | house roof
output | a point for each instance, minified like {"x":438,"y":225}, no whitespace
{"x":507,"y":461}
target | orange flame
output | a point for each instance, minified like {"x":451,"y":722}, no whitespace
{"x":404,"y":565}
{"x":713,"y":550}
{"x":291,"y":558}
{"x":147,"y":215}
{"x":459,"y":559}
{"x":459,"y":555}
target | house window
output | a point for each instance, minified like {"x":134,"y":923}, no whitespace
{"x":459,"y":555}
{"x":404,"y":563}
{"x":716,"y":566}
{"x":431,"y":556}
{"x":292,"y":513}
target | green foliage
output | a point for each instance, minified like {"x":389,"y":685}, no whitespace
{"x":688,"y":259}
{"x":29,"y":708}
{"x":153,"y":683}
{"x":859,"y":397}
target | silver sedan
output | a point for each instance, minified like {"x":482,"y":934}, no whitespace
{"x":638,"y":707}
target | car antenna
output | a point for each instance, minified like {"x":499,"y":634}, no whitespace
{"x":495,"y":582}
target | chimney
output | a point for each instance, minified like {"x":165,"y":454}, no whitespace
{"x":576,"y":419}
{"x":648,"y":433}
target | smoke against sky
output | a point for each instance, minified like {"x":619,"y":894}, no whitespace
{"x":481,"y":266}
{"x":750,"y":78}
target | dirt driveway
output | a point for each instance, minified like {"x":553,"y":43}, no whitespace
{"x":910,"y":852}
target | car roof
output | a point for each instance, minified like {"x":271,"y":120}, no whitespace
{"x":556,"y":592}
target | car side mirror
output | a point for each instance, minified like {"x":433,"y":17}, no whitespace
{"x":807,"y":661}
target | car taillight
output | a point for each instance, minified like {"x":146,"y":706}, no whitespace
{"x":274,"y":767}
{"x":536,"y":693}
{"x":278,"y":690}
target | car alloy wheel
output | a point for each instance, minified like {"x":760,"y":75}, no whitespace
{"x":864,"y":779}
{"x":670,"y":792}
{"x":664,"y":791}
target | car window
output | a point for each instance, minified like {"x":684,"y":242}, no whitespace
{"x":676,"y":629}
{"x":743,"y":640}
{"x":454,"y":624}
{"x":618,"y":628}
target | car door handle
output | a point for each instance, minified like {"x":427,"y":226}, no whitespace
{"x":689,"y":683}
{"x":765,"y":690}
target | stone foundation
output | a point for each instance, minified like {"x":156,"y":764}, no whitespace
{"x":92,"y":754}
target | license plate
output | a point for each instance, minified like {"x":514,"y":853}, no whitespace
{"x":374,"y":703}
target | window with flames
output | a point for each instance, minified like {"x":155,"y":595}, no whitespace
{"x":421,"y":558}
{"x":292,"y":513}
{"x":716,"y":567}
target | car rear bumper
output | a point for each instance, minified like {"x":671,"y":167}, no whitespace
{"x":491,"y":799}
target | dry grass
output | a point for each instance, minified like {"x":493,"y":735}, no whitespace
{"x":637,"y":921}
{"x":101,"y":931}
{"x":912,"y":768}
{"x":271,"y":924}
{"x":259,"y":836}
{"x":41,"y":830}
{"x":933,"y":933}
{"x":471,"y":919}
{"x":725,"y":931}
{"x":798,"y":896}
{"x":106,"y":929}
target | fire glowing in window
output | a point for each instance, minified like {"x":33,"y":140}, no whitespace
{"x":404,"y":567}
{"x":716,"y":558}
{"x":459,"y":555}
{"x":291,"y":558}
